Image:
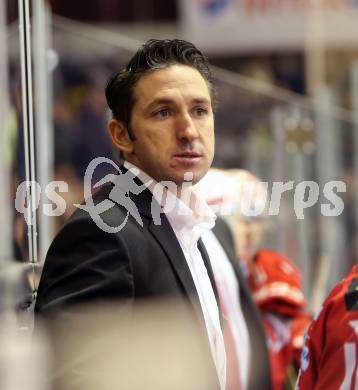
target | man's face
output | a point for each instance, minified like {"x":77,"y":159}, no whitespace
{"x":173,"y":124}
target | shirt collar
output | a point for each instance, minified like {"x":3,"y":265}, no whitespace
{"x":187,"y":212}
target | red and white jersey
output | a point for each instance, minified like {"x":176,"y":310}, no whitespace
{"x":330,"y":354}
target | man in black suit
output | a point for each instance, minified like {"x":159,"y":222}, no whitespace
{"x":163,"y":125}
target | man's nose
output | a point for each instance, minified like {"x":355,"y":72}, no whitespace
{"x":185,"y":127}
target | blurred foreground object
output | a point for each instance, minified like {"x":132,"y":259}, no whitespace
{"x":330,"y":353}
{"x":25,"y":361}
{"x":149,"y":347}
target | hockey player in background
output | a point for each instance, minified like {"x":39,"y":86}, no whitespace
{"x":330,"y":353}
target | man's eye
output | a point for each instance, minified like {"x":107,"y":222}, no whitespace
{"x":163,"y":113}
{"x":200,"y":111}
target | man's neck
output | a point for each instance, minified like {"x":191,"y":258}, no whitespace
{"x":143,"y":175}
{"x":182,"y":192}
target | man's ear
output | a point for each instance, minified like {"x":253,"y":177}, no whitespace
{"x":120,"y":136}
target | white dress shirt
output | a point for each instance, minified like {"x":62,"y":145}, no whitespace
{"x":188,"y":227}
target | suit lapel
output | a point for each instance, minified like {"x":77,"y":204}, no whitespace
{"x":166,"y":238}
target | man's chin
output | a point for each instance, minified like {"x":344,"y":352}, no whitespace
{"x":181,"y":176}
{"x":197,"y":176}
{"x":191,"y":177}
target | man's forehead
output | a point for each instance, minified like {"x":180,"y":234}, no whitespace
{"x":167,"y":83}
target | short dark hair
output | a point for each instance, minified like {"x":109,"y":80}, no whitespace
{"x":154,"y":54}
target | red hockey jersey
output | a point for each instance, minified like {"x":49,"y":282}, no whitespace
{"x":330,"y":354}
{"x":276,"y":284}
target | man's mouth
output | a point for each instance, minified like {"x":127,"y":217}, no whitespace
{"x":188,"y":155}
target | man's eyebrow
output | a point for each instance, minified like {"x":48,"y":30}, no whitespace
{"x":159,"y":101}
{"x":201,"y":101}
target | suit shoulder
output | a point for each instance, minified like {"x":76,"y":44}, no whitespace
{"x":98,"y":205}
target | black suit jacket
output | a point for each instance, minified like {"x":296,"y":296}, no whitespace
{"x":85,"y":264}
{"x":259,"y":375}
